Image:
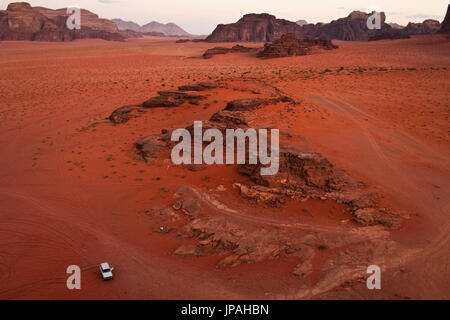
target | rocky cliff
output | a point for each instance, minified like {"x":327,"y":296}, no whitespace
{"x":267,"y":28}
{"x":427,"y":27}
{"x":445,"y":27}
{"x":288,"y":46}
{"x":351,"y":28}
{"x":126,"y":25}
{"x":254,"y":28}
{"x":20,"y":21}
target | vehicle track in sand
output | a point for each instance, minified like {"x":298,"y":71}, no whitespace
{"x":435,"y":255}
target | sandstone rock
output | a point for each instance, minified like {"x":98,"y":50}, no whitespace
{"x":244,"y":255}
{"x":88,"y":19}
{"x":217,"y":234}
{"x":245,"y":104}
{"x":254,"y":103}
{"x":201,"y":86}
{"x":221,"y":50}
{"x":191,"y":207}
{"x":123,"y":114}
{"x":427,"y":27}
{"x":372,"y":216}
{"x":262,"y":194}
{"x":288,"y":45}
{"x":304,"y":175}
{"x":150,"y":147}
{"x":130,"y":34}
{"x":186,"y":250}
{"x":165,"y":99}
{"x":255,"y":28}
{"x":172,"y":98}
{"x":303,"y":269}
{"x":20,"y":21}
{"x":300,"y":171}
{"x":445,"y":26}
{"x":351,"y":28}
{"x":232,"y":119}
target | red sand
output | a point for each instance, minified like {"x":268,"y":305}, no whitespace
{"x":73,"y":196}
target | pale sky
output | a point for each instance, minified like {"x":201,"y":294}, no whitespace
{"x":202,"y":16}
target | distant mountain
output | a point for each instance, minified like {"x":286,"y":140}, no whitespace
{"x":169,"y":29}
{"x":301,"y":22}
{"x":126,"y":25}
{"x":395,"y":26}
{"x":429,"y":26}
{"x":21,"y":21}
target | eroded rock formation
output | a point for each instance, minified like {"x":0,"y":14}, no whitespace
{"x":164,"y":99}
{"x":254,"y":28}
{"x":305,"y":175}
{"x":301,"y":175}
{"x":445,"y":27}
{"x":288,"y":46}
{"x":267,"y":28}
{"x":222,"y":50}
{"x":350,"y":28}
{"x":427,"y":27}
{"x":20,"y":21}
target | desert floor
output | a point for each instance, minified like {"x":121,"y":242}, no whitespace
{"x":76,"y":194}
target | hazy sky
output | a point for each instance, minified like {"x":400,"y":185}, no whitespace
{"x":202,"y":16}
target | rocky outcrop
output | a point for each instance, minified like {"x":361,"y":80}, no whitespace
{"x":254,"y":28}
{"x":354,"y":28}
{"x":308,"y":175}
{"x":172,"y":98}
{"x":151,"y":147}
{"x":123,"y":114}
{"x":351,"y":28}
{"x":201,"y":86}
{"x":267,"y":28}
{"x":222,"y":50}
{"x":20,"y":21}
{"x":254,"y":103}
{"x":427,"y":27}
{"x":288,"y":46}
{"x":215,"y":230}
{"x":445,"y":27}
{"x":307,"y":172}
{"x":396,"y":26}
{"x":164,"y":99}
{"x":88,"y":19}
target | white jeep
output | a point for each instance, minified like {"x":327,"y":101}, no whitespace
{"x":106,"y":271}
